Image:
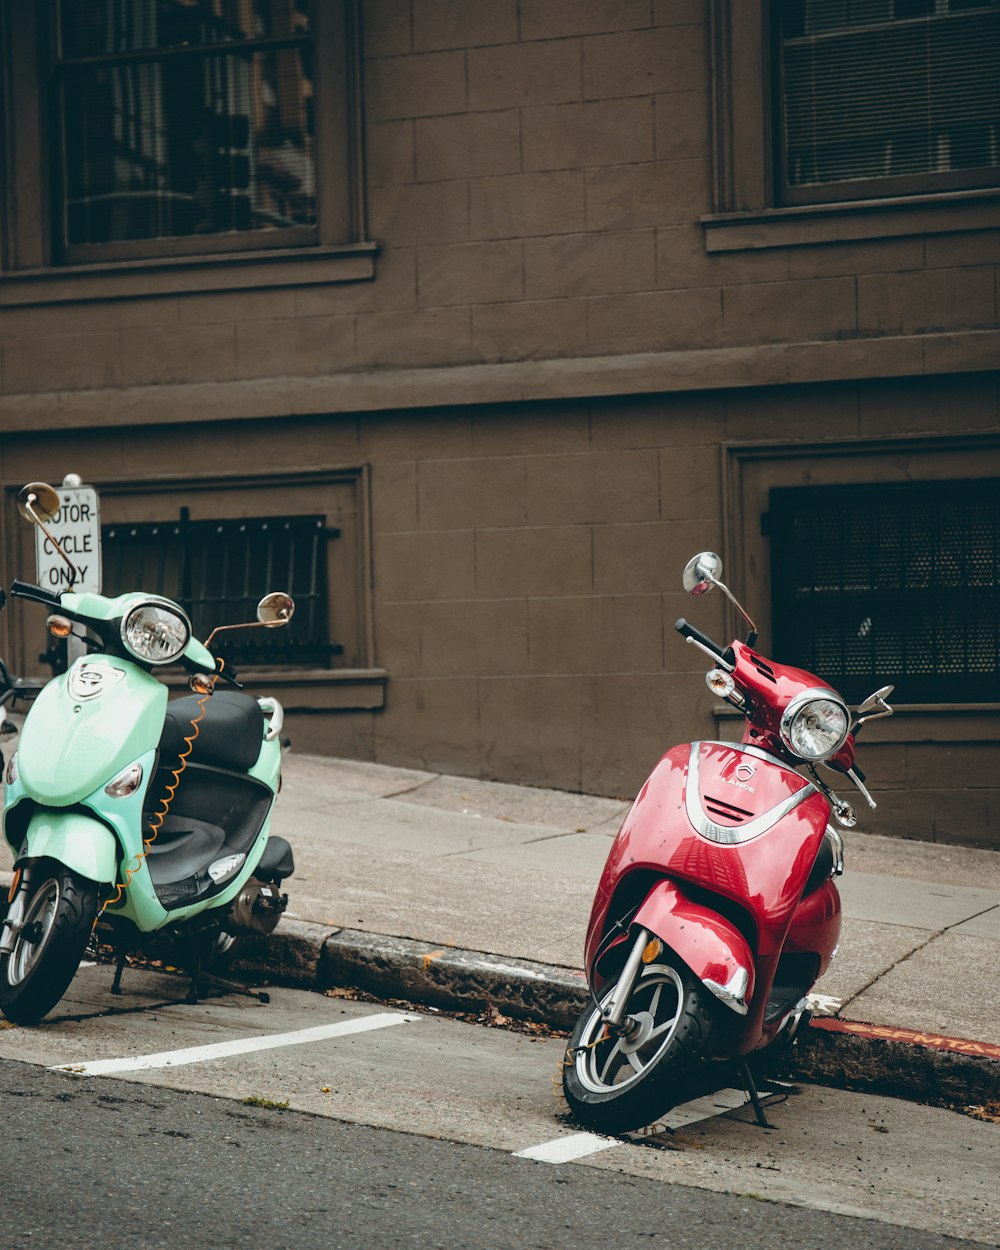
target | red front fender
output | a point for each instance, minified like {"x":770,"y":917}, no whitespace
{"x":711,"y":946}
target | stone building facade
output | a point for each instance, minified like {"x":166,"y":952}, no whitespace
{"x":554,"y":327}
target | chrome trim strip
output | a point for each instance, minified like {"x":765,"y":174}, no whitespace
{"x":734,"y":993}
{"x":726,"y":835}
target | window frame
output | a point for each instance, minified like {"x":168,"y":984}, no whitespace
{"x":354,"y":681}
{"x":752,"y":469}
{"x":31,"y":266}
{"x":746,"y":212}
{"x":889,"y":186}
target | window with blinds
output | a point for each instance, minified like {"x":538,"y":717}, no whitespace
{"x":886,"y":97}
{"x":900,"y":584}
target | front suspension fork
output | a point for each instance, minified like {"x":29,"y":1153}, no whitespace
{"x":13,"y":922}
{"x":614,"y":1009}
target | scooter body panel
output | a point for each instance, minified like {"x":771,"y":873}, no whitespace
{"x":724,"y":820}
{"x":85,"y":726}
{"x":711,"y":946}
{"x":75,"y":839}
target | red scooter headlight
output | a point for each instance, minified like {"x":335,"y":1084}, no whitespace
{"x":815,"y":725}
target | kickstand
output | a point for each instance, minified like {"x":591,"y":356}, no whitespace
{"x":234,"y":987}
{"x":751,"y":1086}
{"x":195,"y":986}
{"x":120,"y":960}
{"x":206,"y":980}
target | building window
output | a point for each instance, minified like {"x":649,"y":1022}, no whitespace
{"x":158,"y":128}
{"x":184,"y":119}
{"x":219,"y":570}
{"x":900,"y":584}
{"x":885,"y":97}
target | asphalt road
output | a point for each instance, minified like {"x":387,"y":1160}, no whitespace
{"x":101,"y":1162}
{"x":395,"y":1128}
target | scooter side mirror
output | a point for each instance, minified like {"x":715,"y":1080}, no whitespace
{"x":275,"y":609}
{"x":38,"y":502}
{"x":876,"y":701}
{"x":701,"y":573}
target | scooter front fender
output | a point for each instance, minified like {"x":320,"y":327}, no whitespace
{"x":711,"y":946}
{"x":79,"y":841}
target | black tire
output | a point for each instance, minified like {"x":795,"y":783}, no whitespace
{"x":58,"y":919}
{"x":614,"y":1084}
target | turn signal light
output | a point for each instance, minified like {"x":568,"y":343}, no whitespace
{"x":59,"y":626}
{"x":651,"y":950}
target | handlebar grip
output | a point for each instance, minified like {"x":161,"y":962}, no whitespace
{"x":25,"y":590}
{"x":691,"y":631}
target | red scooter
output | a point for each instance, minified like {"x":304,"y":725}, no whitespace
{"x":717,"y":910}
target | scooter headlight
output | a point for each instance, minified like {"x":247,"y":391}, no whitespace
{"x":815,"y":725}
{"x":156,"y":633}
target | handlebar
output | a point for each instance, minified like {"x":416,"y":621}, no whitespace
{"x":25,"y":590}
{"x":694,"y":635}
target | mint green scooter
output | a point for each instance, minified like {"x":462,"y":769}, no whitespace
{"x":121,"y":808}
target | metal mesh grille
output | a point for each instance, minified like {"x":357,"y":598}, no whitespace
{"x":219,"y":570}
{"x":876,"y":584}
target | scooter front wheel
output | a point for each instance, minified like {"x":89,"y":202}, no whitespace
{"x":58,"y":917}
{"x":618,"y":1079}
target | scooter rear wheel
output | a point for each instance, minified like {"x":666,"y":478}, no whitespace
{"x":47,"y":952}
{"x":614,"y":1083}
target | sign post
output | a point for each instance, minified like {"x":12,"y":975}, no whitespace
{"x":77,"y":528}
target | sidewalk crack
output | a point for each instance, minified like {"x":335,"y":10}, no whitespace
{"x":909,"y":954}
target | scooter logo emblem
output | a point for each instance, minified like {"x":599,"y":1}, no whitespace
{"x":744,"y":772}
{"x":91,"y":681}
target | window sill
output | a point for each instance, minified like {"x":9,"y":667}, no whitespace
{"x":916,"y":722}
{"x":852,"y":221}
{"x":313,"y":689}
{"x":181,"y":275}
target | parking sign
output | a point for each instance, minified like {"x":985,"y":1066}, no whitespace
{"x":77,"y":526}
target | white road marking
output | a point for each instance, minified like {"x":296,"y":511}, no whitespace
{"x":565,"y":1149}
{"x":579,"y":1145}
{"x":238,"y":1046}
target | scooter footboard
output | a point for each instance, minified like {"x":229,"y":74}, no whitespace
{"x":83,"y":844}
{"x":711,"y":946}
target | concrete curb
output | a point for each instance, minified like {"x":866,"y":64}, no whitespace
{"x":319,"y":957}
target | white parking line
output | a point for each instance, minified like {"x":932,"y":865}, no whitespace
{"x":579,"y":1145}
{"x":238,"y":1046}
{"x":565,"y":1149}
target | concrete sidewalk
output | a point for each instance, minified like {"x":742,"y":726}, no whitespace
{"x":461,"y":893}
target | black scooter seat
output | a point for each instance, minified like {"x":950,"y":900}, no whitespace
{"x":229,"y":734}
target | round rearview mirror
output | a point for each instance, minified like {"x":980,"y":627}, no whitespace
{"x":38,"y":502}
{"x":275,"y":609}
{"x":702,"y":572}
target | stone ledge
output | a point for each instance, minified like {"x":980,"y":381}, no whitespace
{"x":581,"y":377}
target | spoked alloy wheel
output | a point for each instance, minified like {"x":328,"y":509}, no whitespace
{"x":47,"y":952}
{"x":615,"y":1081}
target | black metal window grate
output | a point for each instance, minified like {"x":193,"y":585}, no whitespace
{"x":219,"y":570}
{"x":890,"y":583}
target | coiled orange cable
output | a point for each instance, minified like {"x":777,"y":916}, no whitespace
{"x":156,"y":824}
